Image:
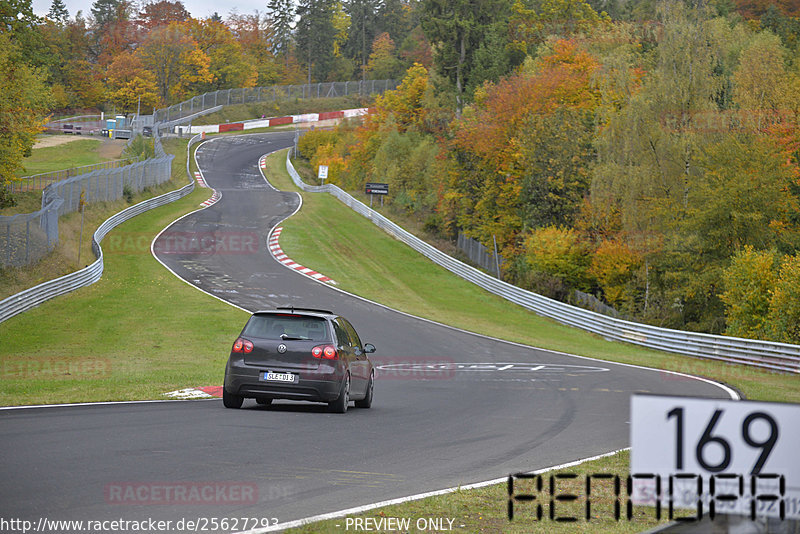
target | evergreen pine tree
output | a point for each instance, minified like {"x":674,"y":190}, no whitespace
{"x":104,"y":13}
{"x":363,"y":30}
{"x":58,"y":12}
{"x":315,"y":33}
{"x":282,"y":16}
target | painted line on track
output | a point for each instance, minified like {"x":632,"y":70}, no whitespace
{"x":732,"y":393}
{"x":84,"y":404}
{"x":153,"y":243}
{"x":203,"y":392}
{"x":365,"y":508}
{"x":213,"y":200}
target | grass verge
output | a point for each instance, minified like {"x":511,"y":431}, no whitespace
{"x":76,"y":153}
{"x":25,"y":202}
{"x":73,"y":154}
{"x":125,"y":341}
{"x":120,"y":339}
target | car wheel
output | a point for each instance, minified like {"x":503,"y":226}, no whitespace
{"x":340,"y":404}
{"x":230,"y":400}
{"x":264,"y":402}
{"x":366,"y":402}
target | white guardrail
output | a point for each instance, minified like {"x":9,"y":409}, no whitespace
{"x":765,"y":354}
{"x":30,"y":298}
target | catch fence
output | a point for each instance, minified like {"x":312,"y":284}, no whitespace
{"x":227,"y":97}
{"x":26,"y":238}
{"x":37,"y":182}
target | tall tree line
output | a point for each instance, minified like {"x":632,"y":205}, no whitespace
{"x":648,"y":154}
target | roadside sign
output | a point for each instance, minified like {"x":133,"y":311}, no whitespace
{"x":716,"y":456}
{"x":323,"y":172}
{"x":377,"y":189}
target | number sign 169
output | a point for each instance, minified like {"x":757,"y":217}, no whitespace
{"x":699,"y":438}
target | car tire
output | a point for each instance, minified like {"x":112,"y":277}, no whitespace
{"x":340,"y":404}
{"x":264,"y":402}
{"x":229,"y":400}
{"x":366,"y":402}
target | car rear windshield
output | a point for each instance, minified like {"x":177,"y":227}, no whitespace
{"x":286,"y":326}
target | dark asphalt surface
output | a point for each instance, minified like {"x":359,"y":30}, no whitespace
{"x":423,"y":432}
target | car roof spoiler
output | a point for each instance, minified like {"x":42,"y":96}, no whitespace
{"x":293,"y":309}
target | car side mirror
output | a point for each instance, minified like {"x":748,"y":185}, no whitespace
{"x":369,"y":348}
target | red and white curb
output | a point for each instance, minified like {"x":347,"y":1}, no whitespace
{"x":204,"y":392}
{"x":273,"y":121}
{"x":280,"y":255}
{"x":202,"y":183}
{"x":263,"y":162}
{"x":213,"y":200}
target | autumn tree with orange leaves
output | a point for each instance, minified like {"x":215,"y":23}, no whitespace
{"x":524,"y":154}
{"x":173,"y":56}
{"x":131,"y":87}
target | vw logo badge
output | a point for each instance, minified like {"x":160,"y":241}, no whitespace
{"x":281,"y":348}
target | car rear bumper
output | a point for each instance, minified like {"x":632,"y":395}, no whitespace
{"x":315,"y":386}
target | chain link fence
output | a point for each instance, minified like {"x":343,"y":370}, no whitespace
{"x":479,"y":254}
{"x":250,"y":95}
{"x":80,"y":124}
{"x":30,"y":298}
{"x":590,"y":302}
{"x":108,"y":184}
{"x":37,"y":182}
{"x":484,"y":258}
{"x":26,"y":238}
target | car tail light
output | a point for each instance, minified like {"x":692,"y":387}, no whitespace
{"x":243,"y":345}
{"x":326,"y":352}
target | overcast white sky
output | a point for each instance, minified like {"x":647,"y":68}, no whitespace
{"x":198,"y":8}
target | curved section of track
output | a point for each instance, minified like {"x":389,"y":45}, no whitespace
{"x":450,"y":407}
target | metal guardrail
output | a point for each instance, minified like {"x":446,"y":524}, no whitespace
{"x":30,"y":298}
{"x":22,"y":242}
{"x":756,"y":353}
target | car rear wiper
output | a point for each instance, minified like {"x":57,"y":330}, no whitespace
{"x":286,"y":337}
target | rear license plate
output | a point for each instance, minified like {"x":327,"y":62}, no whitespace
{"x":278,"y":377}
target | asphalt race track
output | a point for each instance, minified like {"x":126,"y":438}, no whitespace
{"x":451,"y":407}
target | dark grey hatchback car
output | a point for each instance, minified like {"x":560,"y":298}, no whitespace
{"x":299,"y":354}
